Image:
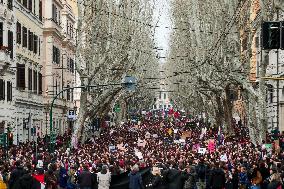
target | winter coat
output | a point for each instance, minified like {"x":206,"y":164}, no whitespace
{"x":190,"y":182}
{"x":95,"y":181}
{"x":175,"y":179}
{"x":15,"y":176}
{"x":235,"y":180}
{"x":63,"y":177}
{"x":85,"y":179}
{"x":273,"y":185}
{"x":256,"y":180}
{"x":243,"y":178}
{"x":50,"y":180}
{"x":157,"y":182}
{"x":27,"y":181}
{"x":218,"y":179}
{"x":2,"y":183}
{"x":135,"y":180}
{"x":103,"y":180}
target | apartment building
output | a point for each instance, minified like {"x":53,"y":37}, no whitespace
{"x":37,"y":61}
{"x":7,"y":64}
{"x":59,"y":59}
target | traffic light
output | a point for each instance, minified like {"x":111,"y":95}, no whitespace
{"x":274,"y":134}
{"x":271,"y":35}
{"x":10,"y":139}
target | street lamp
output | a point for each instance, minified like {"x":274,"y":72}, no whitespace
{"x":46,"y":110}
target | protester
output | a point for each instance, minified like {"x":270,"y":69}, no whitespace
{"x":2,"y":181}
{"x":16,"y":174}
{"x":104,"y":178}
{"x":190,"y":182}
{"x":135,"y":179}
{"x":275,"y":181}
{"x":50,"y":178}
{"x":85,"y":178}
{"x":185,"y":150}
{"x":217,"y":179}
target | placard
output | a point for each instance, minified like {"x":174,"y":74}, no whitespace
{"x":202,"y":150}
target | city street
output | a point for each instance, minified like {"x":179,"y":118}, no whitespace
{"x":141,"y":94}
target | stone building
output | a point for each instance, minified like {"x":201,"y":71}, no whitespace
{"x":37,"y":61}
{"x":7,"y":64}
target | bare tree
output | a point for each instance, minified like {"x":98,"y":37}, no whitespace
{"x":210,"y":60}
{"x":114,"y":40}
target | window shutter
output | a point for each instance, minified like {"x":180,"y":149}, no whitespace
{"x":30,"y":87}
{"x":19,"y":33}
{"x":39,"y":83}
{"x":10,"y":44}
{"x":9,"y":90}
{"x":21,"y":76}
{"x":2,"y":89}
{"x":1,"y":34}
{"x":58,"y":56}
{"x":31,"y":5}
{"x":35,"y":43}
{"x":25,"y":33}
{"x":35,"y":81}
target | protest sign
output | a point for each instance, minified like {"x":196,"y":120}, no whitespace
{"x":211,"y":145}
{"x":202,"y":150}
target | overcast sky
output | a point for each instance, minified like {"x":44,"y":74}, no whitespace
{"x":162,"y":33}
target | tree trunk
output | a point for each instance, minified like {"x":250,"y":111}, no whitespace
{"x":79,"y":125}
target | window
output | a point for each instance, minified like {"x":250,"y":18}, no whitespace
{"x":25,"y":3}
{"x":38,"y":46}
{"x":40,"y":10}
{"x":56,"y":55}
{"x":25,"y":36}
{"x":31,"y":43}
{"x":10,"y":4}
{"x":54,"y":13}
{"x":35,"y":43}
{"x":71,"y":65}
{"x":165,"y":96}
{"x":1,"y":34}
{"x":257,"y":42}
{"x":21,"y":76}
{"x":10,"y":44}
{"x":30,"y":5}
{"x":270,"y":93}
{"x":35,"y":81}
{"x":19,"y":33}
{"x":39,"y":83}
{"x":9,"y":91}
{"x":30,"y":78}
{"x":2,"y":89}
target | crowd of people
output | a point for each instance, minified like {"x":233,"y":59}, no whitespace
{"x":180,"y":154}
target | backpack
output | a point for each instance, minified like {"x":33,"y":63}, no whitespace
{"x":201,"y":172}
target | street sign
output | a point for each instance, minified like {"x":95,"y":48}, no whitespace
{"x":117,"y":108}
{"x":71,"y":115}
{"x":129,"y":83}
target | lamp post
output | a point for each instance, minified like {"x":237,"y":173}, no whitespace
{"x":128,"y":83}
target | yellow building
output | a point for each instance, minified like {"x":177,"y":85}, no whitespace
{"x":29,"y":101}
